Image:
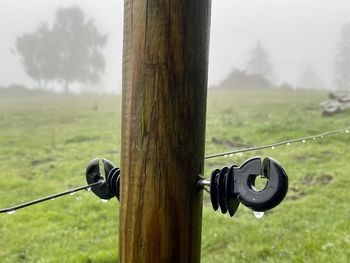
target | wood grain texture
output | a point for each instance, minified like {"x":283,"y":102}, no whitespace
{"x":165,"y":66}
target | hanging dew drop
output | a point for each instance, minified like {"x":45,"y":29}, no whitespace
{"x":303,"y":141}
{"x":104,"y":200}
{"x":258,"y":215}
{"x":288,"y":143}
{"x":231,"y":154}
{"x":347,"y":131}
{"x":273,"y":147}
{"x":88,"y":189}
{"x":226,"y":155}
{"x":11,"y":212}
{"x":73,"y":193}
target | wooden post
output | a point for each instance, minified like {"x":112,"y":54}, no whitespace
{"x":165,"y":66}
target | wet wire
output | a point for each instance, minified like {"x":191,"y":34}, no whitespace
{"x":282,"y":143}
{"x":11,"y":210}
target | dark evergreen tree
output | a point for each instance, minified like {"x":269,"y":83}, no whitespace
{"x":259,"y":62}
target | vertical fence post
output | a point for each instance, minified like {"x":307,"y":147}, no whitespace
{"x":165,"y":66}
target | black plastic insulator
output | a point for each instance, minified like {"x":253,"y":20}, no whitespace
{"x":230,"y":186}
{"x":109,"y":186}
{"x":113,"y":181}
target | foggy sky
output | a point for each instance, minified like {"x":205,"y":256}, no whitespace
{"x":297,"y":34}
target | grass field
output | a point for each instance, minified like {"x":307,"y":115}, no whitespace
{"x":46,"y":142}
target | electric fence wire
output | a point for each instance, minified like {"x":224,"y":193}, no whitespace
{"x":282,"y":143}
{"x":12,"y":209}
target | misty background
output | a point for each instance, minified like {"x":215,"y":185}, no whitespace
{"x":298,"y":39}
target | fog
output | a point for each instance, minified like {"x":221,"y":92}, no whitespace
{"x":298,"y":35}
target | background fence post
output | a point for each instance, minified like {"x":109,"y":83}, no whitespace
{"x":165,"y":66}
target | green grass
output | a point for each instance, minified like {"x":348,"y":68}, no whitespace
{"x":46,"y":142}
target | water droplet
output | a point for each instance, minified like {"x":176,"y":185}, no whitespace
{"x":72,"y":193}
{"x":288,"y":143}
{"x":321,"y":136}
{"x":11,"y":212}
{"x":273,"y":147}
{"x":231,"y":154}
{"x":347,"y":131}
{"x":104,"y":200}
{"x":52,"y":199}
{"x":226,"y":155}
{"x":303,"y":141}
{"x":314,"y":138}
{"x":88,"y":189}
{"x":258,"y":215}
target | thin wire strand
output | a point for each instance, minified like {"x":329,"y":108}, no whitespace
{"x":282,"y":143}
{"x":12,"y":209}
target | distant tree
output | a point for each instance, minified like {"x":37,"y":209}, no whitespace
{"x":309,"y":79}
{"x":242,"y":80}
{"x":285,"y":86}
{"x":70,"y":51}
{"x":259,"y":62}
{"x":342,"y":64}
{"x":36,"y":55}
